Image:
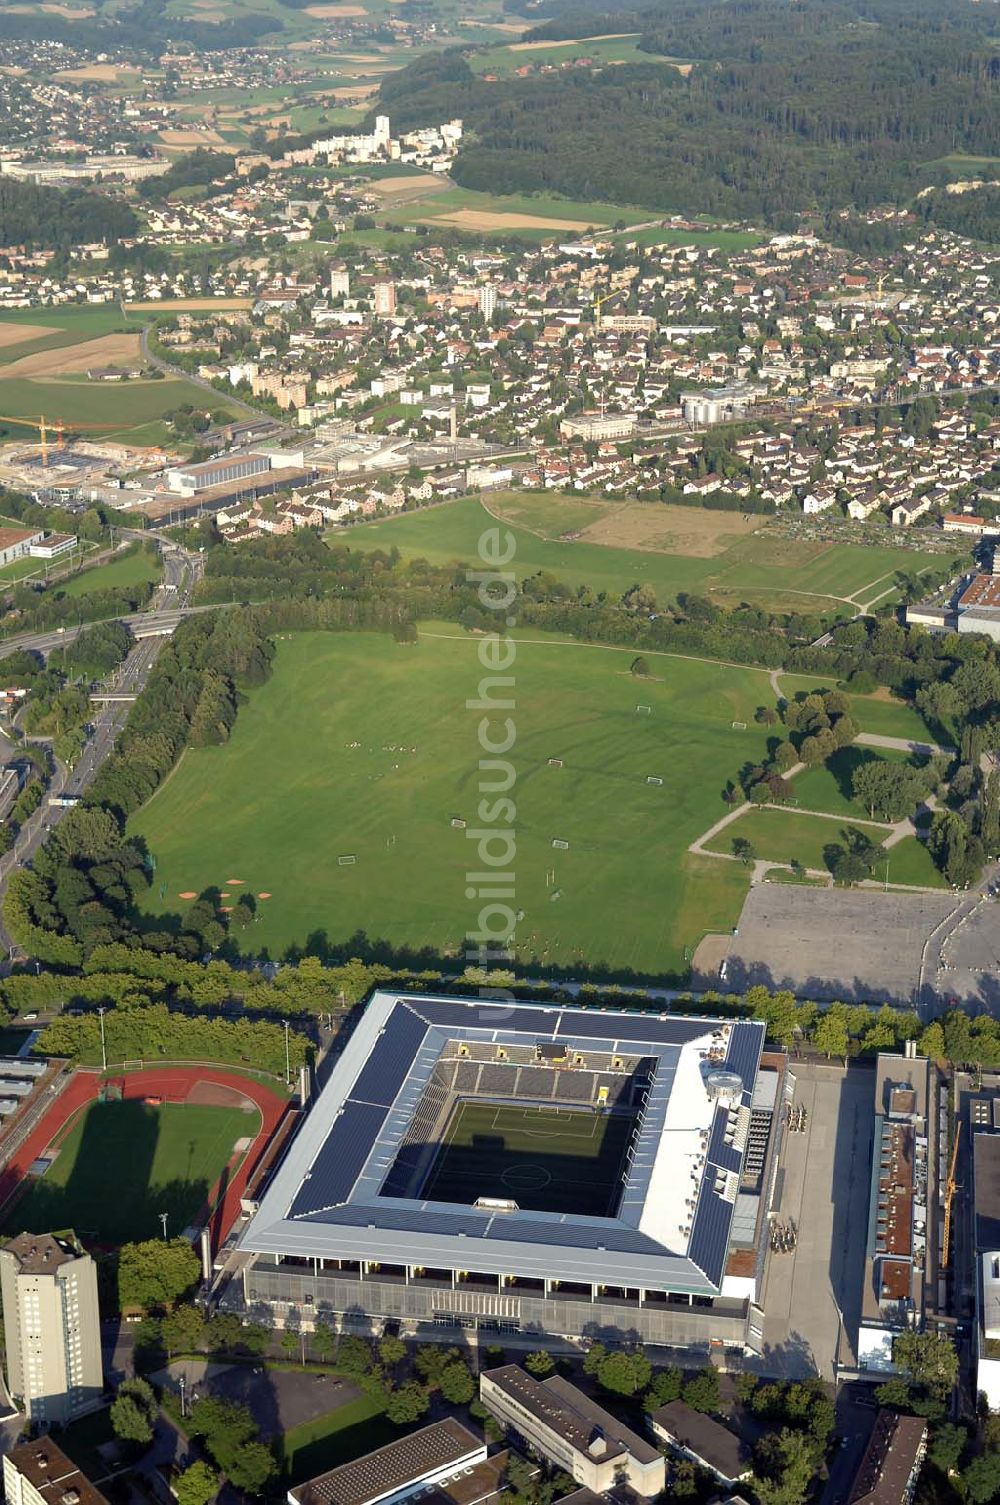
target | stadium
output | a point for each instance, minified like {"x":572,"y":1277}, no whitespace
{"x":525,"y":1168}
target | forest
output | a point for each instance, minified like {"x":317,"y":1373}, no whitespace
{"x":54,"y":219}
{"x":145,"y":30}
{"x":819,"y":108}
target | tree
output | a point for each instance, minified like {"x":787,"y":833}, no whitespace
{"x":830,"y":1034}
{"x":784,"y":1464}
{"x":927,"y":1360}
{"x":982,"y":1478}
{"x":196,"y":1485}
{"x":391,"y":1350}
{"x":744,"y":850}
{"x":701,"y":1392}
{"x":182,"y":1330}
{"x":456,"y":1384}
{"x":133,"y":1412}
{"x":250,"y":1468}
{"x":639,"y":667}
{"x":408,"y":1403}
{"x":353,"y":1355}
{"x":947,"y":1446}
{"x":539,"y":1364}
{"x":157,"y":1272}
{"x":624,"y":1371}
{"x":293,"y":1343}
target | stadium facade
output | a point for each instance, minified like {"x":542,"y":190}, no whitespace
{"x":346,"y":1229}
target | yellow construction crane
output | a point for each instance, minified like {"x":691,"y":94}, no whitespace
{"x":44,"y":425}
{"x":949,"y":1196}
{"x":600,"y":302}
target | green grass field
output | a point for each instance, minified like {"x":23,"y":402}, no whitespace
{"x":130,"y":411}
{"x":790,"y":836}
{"x":130,"y":570}
{"x":119,"y":1165}
{"x":289,"y":794}
{"x":352,"y":1430}
{"x":829,"y":786}
{"x":545,"y":1158}
{"x":763,"y":568}
{"x":504,"y":61}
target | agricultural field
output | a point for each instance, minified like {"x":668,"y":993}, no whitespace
{"x":158,"y":1159}
{"x":468,"y":209}
{"x":672,"y":549}
{"x":27,"y":331}
{"x":128,"y":411}
{"x":622,"y":47}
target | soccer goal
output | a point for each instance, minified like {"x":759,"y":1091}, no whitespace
{"x":348,"y":860}
{"x":644,"y":710}
{"x":133,"y":1065}
{"x":739,"y":726}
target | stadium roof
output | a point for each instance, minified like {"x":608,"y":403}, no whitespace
{"x":671,"y":1228}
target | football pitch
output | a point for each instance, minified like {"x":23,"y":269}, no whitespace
{"x":545,"y":1158}
{"x":119,"y":1166}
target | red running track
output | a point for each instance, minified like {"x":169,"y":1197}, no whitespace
{"x":171,"y":1083}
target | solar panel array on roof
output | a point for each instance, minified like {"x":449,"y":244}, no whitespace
{"x":390,"y":1061}
{"x":709,"y":1242}
{"x":635,"y":1032}
{"x":339,"y":1163}
{"x":743,"y":1056}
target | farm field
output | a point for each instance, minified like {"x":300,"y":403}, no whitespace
{"x":131,"y":411}
{"x":467,"y":208}
{"x":27,"y":331}
{"x":761,"y":567}
{"x":158,"y":1159}
{"x":359,"y":747}
{"x":129,"y":570}
{"x":622,"y":48}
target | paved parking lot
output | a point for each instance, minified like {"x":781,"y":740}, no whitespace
{"x":823,"y":1188}
{"x":850,"y":944}
{"x":278,"y":1399}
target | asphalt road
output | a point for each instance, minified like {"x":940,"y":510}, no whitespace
{"x":151,"y":630}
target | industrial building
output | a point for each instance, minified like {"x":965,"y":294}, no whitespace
{"x":188,"y":480}
{"x":347,"y":1229}
{"x":48,"y":1286}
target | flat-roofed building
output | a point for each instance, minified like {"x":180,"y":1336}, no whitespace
{"x":705,"y":1441}
{"x":896,"y":1250}
{"x":891,"y":1463}
{"x":16,"y":542}
{"x":560,"y":1423}
{"x":429,"y":1457}
{"x":51,"y":1326}
{"x":39,"y":1473}
{"x":223,"y":470}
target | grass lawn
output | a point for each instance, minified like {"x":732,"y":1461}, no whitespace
{"x":81,"y":1440}
{"x":119,"y":1165}
{"x":910,"y":862}
{"x":546,"y":1158}
{"x":129,"y":570}
{"x":829,"y":786}
{"x":787,"y":835}
{"x":290,"y":793}
{"x":352,"y":1430}
{"x":880,"y":713}
{"x":760,"y":567}
{"x":121,"y":409}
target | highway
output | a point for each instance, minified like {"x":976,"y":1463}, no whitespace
{"x":151,"y":630}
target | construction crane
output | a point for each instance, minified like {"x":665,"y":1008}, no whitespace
{"x":949,"y":1196}
{"x":44,"y":425}
{"x":600,"y":302}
